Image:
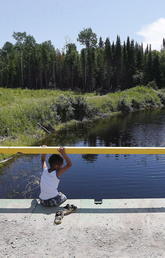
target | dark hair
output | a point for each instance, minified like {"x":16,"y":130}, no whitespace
{"x":55,"y":159}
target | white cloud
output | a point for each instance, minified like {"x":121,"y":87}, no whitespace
{"x":153,"y":33}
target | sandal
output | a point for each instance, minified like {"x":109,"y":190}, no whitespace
{"x":69,"y":208}
{"x":58,"y":217}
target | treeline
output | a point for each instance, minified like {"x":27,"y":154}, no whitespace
{"x":102,"y":66}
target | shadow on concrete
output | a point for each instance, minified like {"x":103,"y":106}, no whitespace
{"x":37,"y":208}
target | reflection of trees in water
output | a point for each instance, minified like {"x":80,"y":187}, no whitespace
{"x":63,"y":138}
{"x":118,"y":156}
{"x":90,"y":157}
{"x":90,"y":140}
{"x":93,"y":157}
{"x":108,"y":139}
{"x":112,"y":133}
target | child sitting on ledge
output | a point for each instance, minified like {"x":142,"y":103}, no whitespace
{"x":50,"y":178}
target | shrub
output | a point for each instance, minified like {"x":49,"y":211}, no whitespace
{"x":136,"y":104}
{"x":82,"y":109}
{"x":124,"y":106}
{"x":68,"y":108}
{"x":63,"y":107}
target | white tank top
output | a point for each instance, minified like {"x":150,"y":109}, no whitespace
{"x":48,"y":184}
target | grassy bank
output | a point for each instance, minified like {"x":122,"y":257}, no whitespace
{"x":22,"y":110}
{"x":137,"y":98}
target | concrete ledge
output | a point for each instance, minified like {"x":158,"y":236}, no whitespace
{"x":86,"y":206}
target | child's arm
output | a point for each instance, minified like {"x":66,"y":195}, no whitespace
{"x":43,"y":160}
{"x":68,"y":162}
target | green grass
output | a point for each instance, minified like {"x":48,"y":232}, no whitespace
{"x":20,"y":96}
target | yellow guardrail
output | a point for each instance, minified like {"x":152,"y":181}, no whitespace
{"x":84,"y":150}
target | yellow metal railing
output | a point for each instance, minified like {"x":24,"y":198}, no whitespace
{"x":84,"y":150}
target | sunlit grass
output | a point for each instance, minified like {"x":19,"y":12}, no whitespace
{"x":15,"y":96}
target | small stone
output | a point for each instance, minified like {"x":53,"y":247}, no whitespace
{"x":131,"y":229}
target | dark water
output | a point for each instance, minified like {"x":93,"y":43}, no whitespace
{"x":99,"y":176}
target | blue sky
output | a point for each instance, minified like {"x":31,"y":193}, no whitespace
{"x":61,"y":20}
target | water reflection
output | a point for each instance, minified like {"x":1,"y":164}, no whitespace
{"x":90,"y":157}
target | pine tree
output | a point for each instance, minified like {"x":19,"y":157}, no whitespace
{"x":156,"y":74}
{"x":101,"y":43}
{"x":148,"y":76}
{"x":108,"y":65}
{"x":118,"y":63}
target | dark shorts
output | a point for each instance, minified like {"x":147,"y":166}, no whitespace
{"x":53,"y":202}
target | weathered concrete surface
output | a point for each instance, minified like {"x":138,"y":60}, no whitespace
{"x":117,"y":228}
